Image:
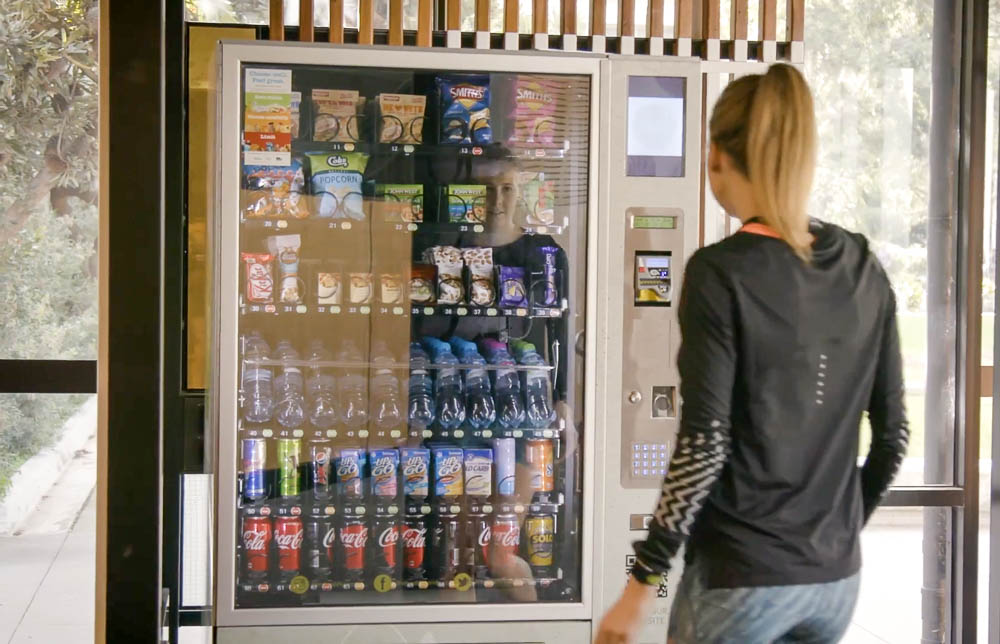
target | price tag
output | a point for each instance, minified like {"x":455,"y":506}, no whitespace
{"x":398,"y":310}
{"x":298,"y":433}
{"x":462,"y":311}
{"x":491,"y":313}
{"x":459,"y":433}
{"x":395,"y":433}
{"x":331,"y":433}
{"x":478,"y":228}
{"x":487,"y":433}
{"x":267,"y":433}
{"x":282,"y":223}
{"x":366,"y":310}
{"x":547,"y":433}
{"x":363,"y":433}
{"x":455,"y":509}
{"x":346,"y":225}
{"x":265,"y":511}
{"x":392,"y":509}
{"x":423,"y":585}
{"x":427,"y":433}
{"x":517,"y":583}
{"x":489,"y":583}
{"x":428,"y":310}
{"x":359,"y":585}
{"x":517,"y":433}
{"x":301,"y":308}
{"x":360,"y":509}
{"x":518,"y":509}
{"x":408,"y":149}
{"x":270,"y":308}
{"x":329,"y":510}
{"x":348,"y":147}
{"x":487,"y":509}
{"x":522,"y":313}
{"x":334,"y":309}
{"x":425,"y":509}
{"x":411,"y":227}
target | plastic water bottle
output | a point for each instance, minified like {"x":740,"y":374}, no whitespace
{"x":421,"y":408}
{"x":480,"y":410}
{"x":291,"y":408}
{"x":387,"y":410}
{"x":257,"y":400}
{"x":321,"y":386}
{"x":353,"y":389}
{"x":448,"y":385}
{"x":537,"y":386}
{"x":507,"y":385}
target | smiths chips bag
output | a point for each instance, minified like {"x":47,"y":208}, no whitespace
{"x":336,"y":184}
{"x":465,"y":109}
{"x":535,"y":102}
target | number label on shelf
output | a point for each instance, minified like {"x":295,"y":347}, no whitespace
{"x":267,"y":433}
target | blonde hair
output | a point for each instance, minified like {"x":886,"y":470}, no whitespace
{"x":766,"y":124}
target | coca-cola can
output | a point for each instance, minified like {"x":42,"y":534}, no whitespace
{"x":353,"y":541}
{"x":386,"y":534}
{"x":256,"y":547}
{"x":414,"y":547}
{"x":446,"y":548}
{"x":320,"y":539}
{"x":288,"y":535}
{"x":505,"y":538}
{"x":321,"y":470}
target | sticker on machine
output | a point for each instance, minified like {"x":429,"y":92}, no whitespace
{"x":661,"y":590}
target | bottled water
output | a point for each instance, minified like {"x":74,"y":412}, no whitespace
{"x":480,"y":410}
{"x":386,"y":411}
{"x":321,"y":387}
{"x":537,"y":386}
{"x":507,"y":385}
{"x":290,"y":410}
{"x":257,"y":400}
{"x":353,"y":389}
{"x":447,"y":386}
{"x":421,"y":409}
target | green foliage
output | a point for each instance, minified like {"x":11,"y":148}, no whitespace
{"x":48,"y":205}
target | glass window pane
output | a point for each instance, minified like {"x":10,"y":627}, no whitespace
{"x":875,"y":175}
{"x":48,"y":182}
{"x":251,"y":12}
{"x":894,"y":586}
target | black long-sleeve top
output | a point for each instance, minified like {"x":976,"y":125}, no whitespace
{"x":778,"y":362}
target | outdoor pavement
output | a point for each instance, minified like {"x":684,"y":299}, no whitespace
{"x":47,"y":585}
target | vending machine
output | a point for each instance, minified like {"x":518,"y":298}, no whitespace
{"x":434,"y":271}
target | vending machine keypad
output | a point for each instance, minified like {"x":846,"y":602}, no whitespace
{"x":650,"y":460}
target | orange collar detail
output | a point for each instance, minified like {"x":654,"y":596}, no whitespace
{"x":756,"y":228}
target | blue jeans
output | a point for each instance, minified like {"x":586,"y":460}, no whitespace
{"x":813,"y":614}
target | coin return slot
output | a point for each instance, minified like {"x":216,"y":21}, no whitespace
{"x":664,"y":402}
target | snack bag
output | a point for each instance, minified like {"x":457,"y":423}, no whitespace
{"x":512,"y":286}
{"x":328,"y":287}
{"x":449,"y":273}
{"x":337,"y":178}
{"x":535,"y":104}
{"x":259,"y":277}
{"x":392,"y":288}
{"x":361,"y":288}
{"x":480,"y":263}
{"x":286,"y":249}
{"x":538,"y":200}
{"x":402,"y":202}
{"x":465,"y":109}
{"x":335,"y":115}
{"x":274,"y":191}
{"x":296,"y":113}
{"x":466,"y":203}
{"x":402,"y":118}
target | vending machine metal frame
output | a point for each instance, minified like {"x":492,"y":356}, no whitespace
{"x":222,"y":427}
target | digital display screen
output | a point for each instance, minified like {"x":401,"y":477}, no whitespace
{"x":652,"y":278}
{"x":655,"y":126}
{"x":653,"y":222}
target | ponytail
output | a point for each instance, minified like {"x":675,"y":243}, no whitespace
{"x":766,"y":124}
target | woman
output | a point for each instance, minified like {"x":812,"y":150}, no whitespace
{"x":788,"y":337}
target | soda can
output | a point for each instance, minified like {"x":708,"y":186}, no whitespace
{"x":505,"y":537}
{"x":384,"y":473}
{"x":254,"y":469}
{"x":478,"y":539}
{"x":416,"y":463}
{"x":539,"y":543}
{"x":446,"y":546}
{"x":386,"y":532}
{"x":504,"y":461}
{"x":256,"y":547}
{"x":288,"y":466}
{"x":447,"y":472}
{"x":288,"y":534}
{"x":350,"y":466}
{"x":539,"y":459}
{"x":479,"y":473}
{"x":320,"y":470}
{"x":414,"y":547}
{"x":320,"y":538}
{"x":353,"y":541}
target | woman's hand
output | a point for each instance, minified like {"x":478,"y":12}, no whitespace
{"x":622,"y":623}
